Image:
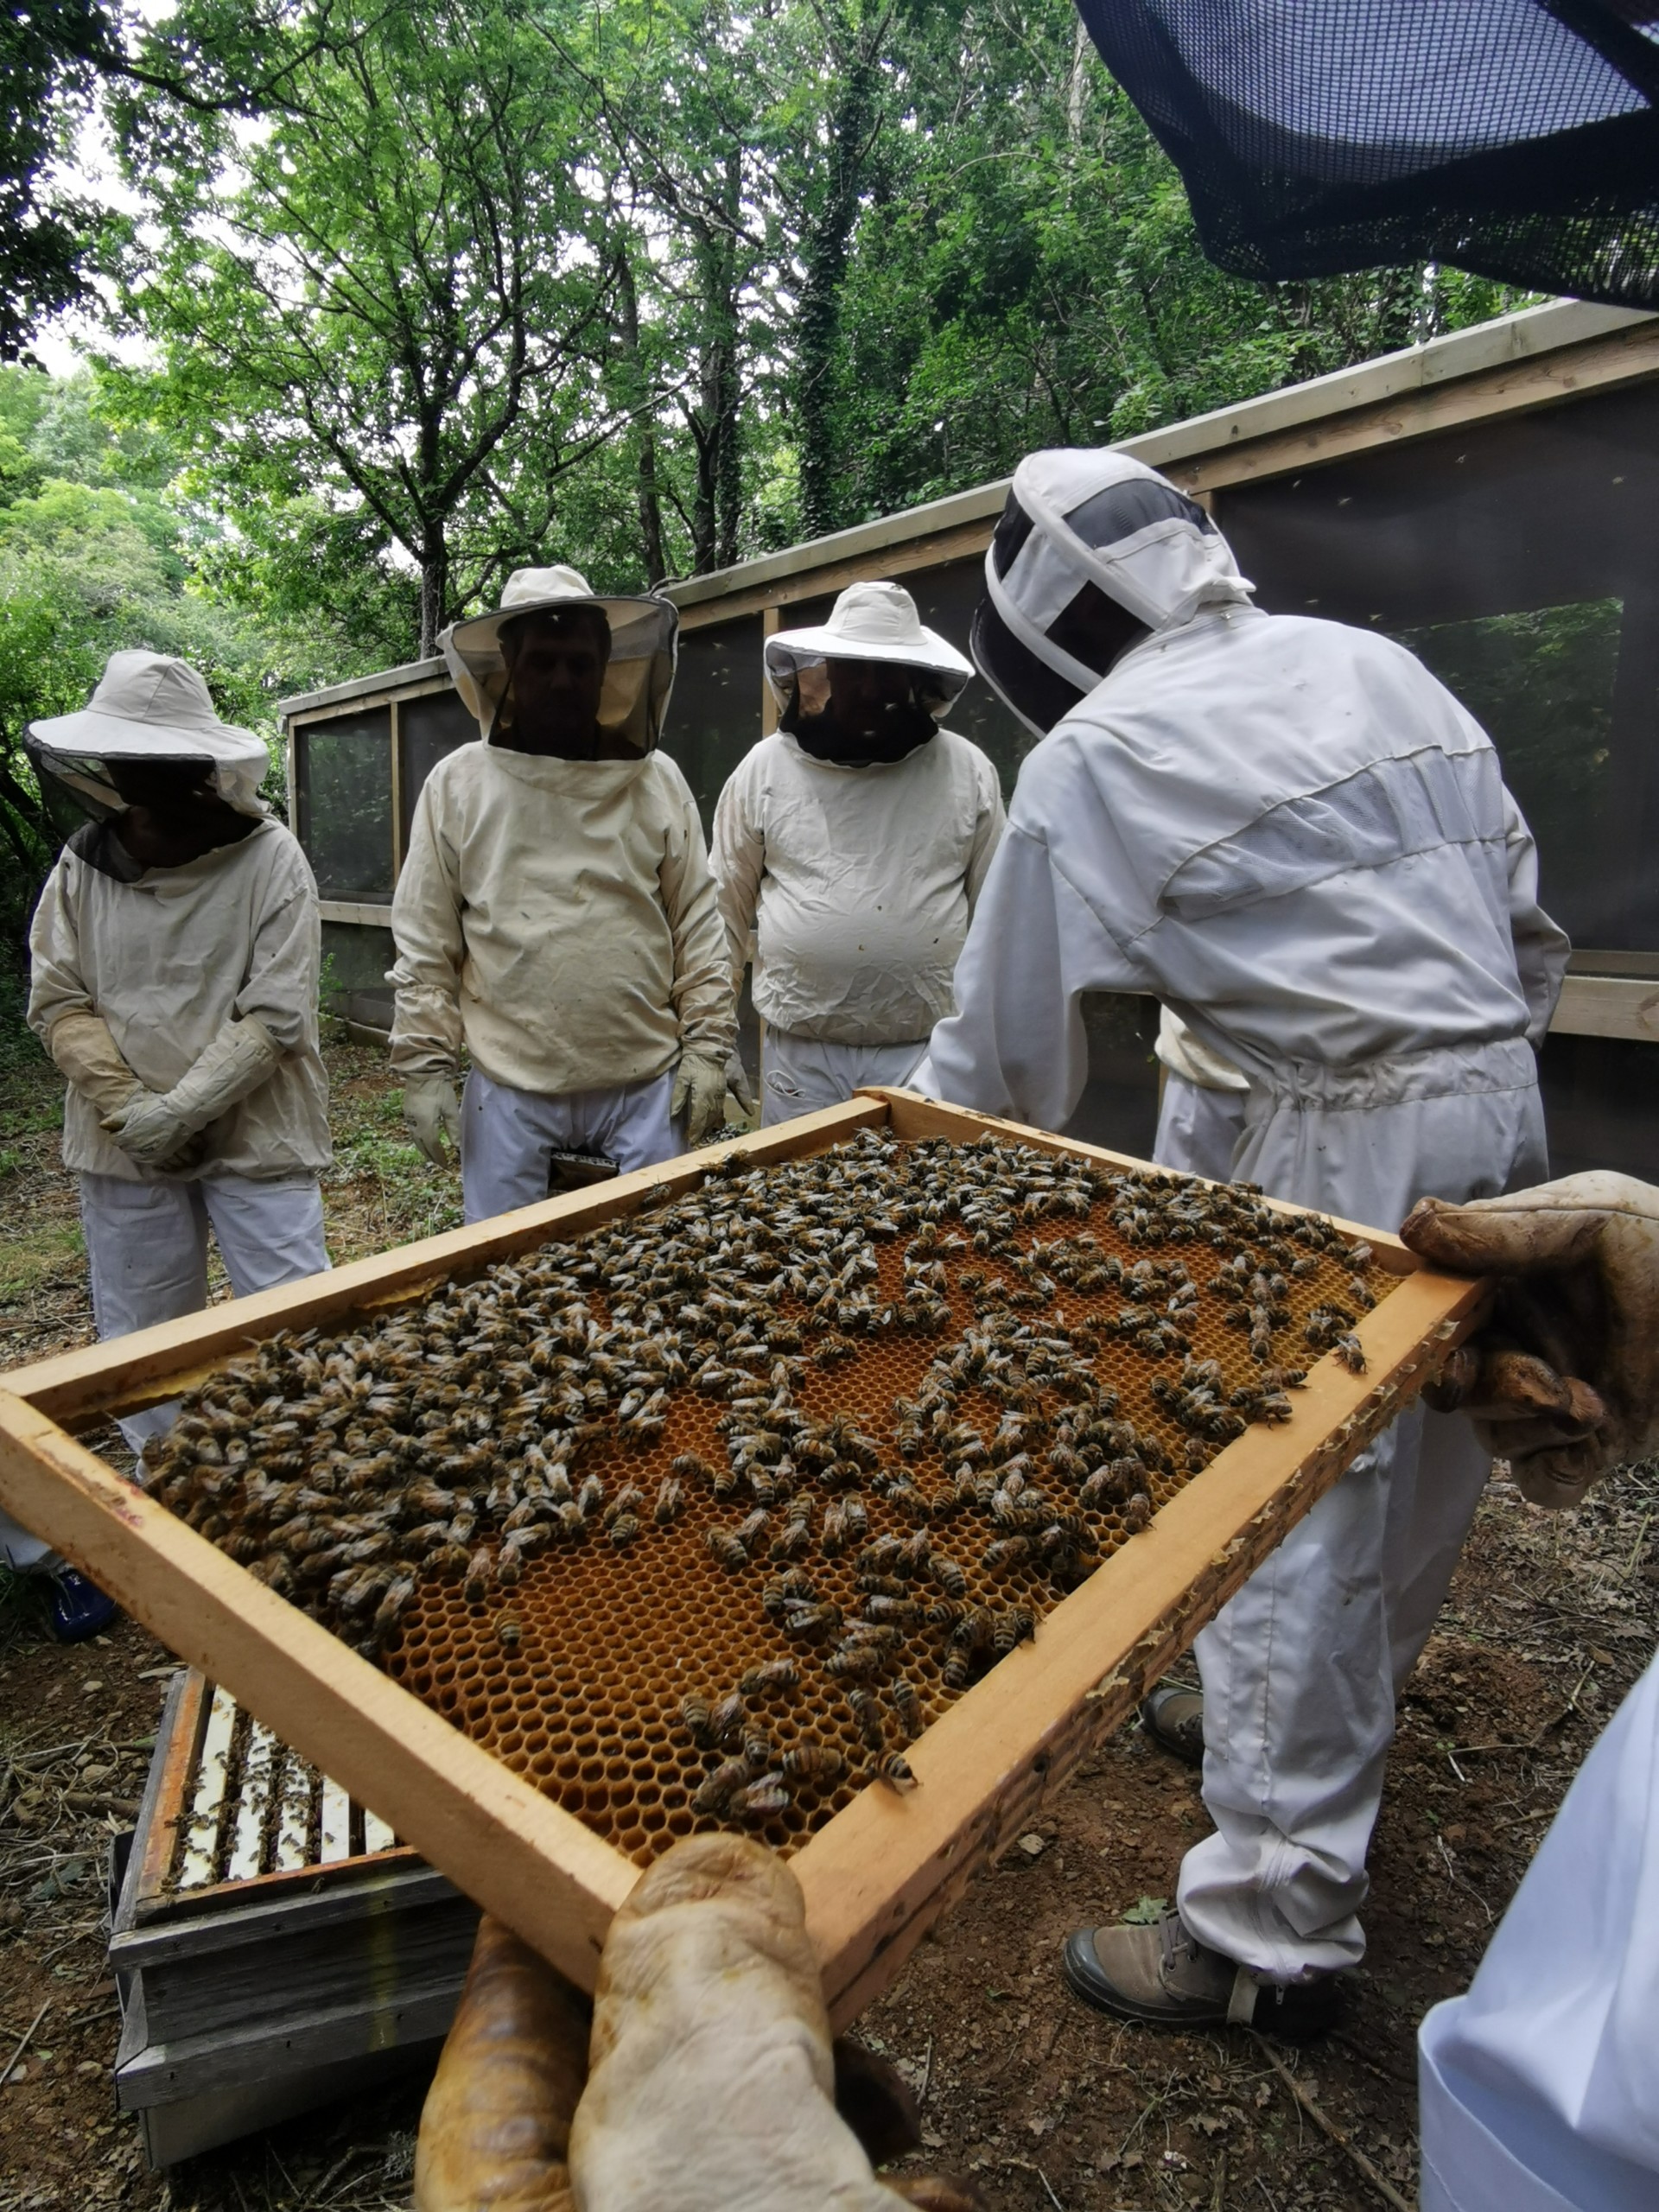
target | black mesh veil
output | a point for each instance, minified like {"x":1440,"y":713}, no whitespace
{"x":1513,"y":138}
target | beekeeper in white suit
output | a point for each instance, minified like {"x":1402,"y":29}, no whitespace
{"x":174,"y":957}
{"x":555,"y":914}
{"x":850,"y":847}
{"x":1294,"y":837}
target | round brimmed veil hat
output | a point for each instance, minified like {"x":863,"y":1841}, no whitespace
{"x":874,"y":621}
{"x":149,"y":707}
{"x":638,"y":676}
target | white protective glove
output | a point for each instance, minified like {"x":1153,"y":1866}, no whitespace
{"x":712,"y":2075}
{"x":1564,"y":1383}
{"x":699,"y":1093}
{"x":431,"y":1112}
{"x":156,"y":1128}
{"x":737,"y":1081}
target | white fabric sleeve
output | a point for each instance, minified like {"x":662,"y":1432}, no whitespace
{"x":426,"y":1029}
{"x":1541,"y":948}
{"x":705,"y":997}
{"x":739,"y":857}
{"x":55,"y":984}
{"x":1016,"y":1045}
{"x":279,"y":990}
{"x":988,"y":829}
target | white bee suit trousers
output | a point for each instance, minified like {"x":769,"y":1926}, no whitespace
{"x":508,"y":1137}
{"x":1301,"y":1670}
{"x":799,"y":1075}
{"x":147,"y":1254}
{"x":1540,"y":2089}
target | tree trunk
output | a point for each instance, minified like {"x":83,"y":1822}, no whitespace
{"x":646,"y":495}
{"x":435,"y":593}
{"x":817,"y":321}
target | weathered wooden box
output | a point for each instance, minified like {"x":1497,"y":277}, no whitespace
{"x":886,"y":1865}
{"x":270,"y":1953}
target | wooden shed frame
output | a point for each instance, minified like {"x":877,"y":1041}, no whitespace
{"x":1520,"y":363}
{"x":880,"y":1873}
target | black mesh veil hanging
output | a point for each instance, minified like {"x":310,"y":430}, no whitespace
{"x":1515,"y":138}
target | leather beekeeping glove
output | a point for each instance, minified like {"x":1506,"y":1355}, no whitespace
{"x":431,"y":1112}
{"x":737,"y":1082}
{"x":496,"y":2125}
{"x":86,"y":1055}
{"x":699,"y":1093}
{"x":1564,"y":1383}
{"x":713,"y":2071}
{"x":156,"y":1128}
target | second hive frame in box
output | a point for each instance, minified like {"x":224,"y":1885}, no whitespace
{"x":878,"y":1875}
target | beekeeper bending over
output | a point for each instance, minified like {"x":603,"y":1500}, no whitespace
{"x":1288,"y":832}
{"x":850,"y":847}
{"x":555,"y":914}
{"x":175,"y":966}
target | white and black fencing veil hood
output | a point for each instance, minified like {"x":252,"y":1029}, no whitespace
{"x":639,"y":675}
{"x":152,"y":707}
{"x":1081,"y":521}
{"x":872,"y":621}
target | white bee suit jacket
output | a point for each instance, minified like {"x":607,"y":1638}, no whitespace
{"x":1285,"y":829}
{"x":1538,"y":2088}
{"x":166,"y":961}
{"x":856,"y":885}
{"x":559,"y":918}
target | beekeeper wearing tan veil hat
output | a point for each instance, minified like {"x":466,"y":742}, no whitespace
{"x":174,"y":957}
{"x":849,"y":847}
{"x":556,"y":914}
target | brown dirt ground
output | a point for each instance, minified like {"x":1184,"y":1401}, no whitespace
{"x":1043,"y":2103}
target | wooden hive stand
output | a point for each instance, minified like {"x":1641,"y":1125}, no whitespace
{"x":882,"y":1869}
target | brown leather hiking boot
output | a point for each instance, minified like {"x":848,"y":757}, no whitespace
{"x":1165,"y":1978}
{"x":1172,"y":1715}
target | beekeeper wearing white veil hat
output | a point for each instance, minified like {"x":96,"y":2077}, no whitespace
{"x":1290,"y":833}
{"x":555,"y":914}
{"x":850,"y":847}
{"x":174,"y":957}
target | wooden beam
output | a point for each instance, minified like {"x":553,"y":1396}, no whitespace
{"x":961,"y":543}
{"x":518,"y":1854}
{"x":1608,"y":1006}
{"x":155,"y":1364}
{"x":884,"y":1868}
{"x":357,"y":913}
{"x":1623,"y":358}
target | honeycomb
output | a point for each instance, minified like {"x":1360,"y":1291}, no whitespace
{"x":903,"y":1397}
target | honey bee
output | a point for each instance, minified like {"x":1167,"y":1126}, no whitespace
{"x":1351,"y":1352}
{"x":1137,"y":1512}
{"x":811,"y":1623}
{"x":901,"y":1695}
{"x":762,"y":1797}
{"x":449,"y":1560}
{"x":859,"y":1662}
{"x":624,"y":1530}
{"x":725,"y":1716}
{"x":723,"y":1545}
{"x":509,"y":1632}
{"x":893,"y":1768}
{"x":670,"y":1498}
{"x":716,"y":1793}
{"x":1014,"y":1626}
{"x":479,"y":1574}
{"x":867,"y":1717}
{"x":758,"y":1750}
{"x":817,"y":1763}
{"x":590,"y":1499}
{"x":774,"y":1674}
{"x":628,"y":1500}
{"x":1007,"y":1551}
{"x":948,"y":1576}
{"x":695,"y":1714}
{"x":690,"y":1468}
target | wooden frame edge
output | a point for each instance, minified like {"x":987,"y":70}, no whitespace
{"x":515,"y":1852}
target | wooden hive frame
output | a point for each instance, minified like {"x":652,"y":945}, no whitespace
{"x":880,"y":1873}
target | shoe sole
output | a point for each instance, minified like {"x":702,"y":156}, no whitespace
{"x":1179,"y":1747}
{"x":1083,"y":1977}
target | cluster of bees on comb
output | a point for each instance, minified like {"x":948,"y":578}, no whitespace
{"x":876,"y":1411}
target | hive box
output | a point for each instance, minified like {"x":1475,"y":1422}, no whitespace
{"x":885,"y":1866}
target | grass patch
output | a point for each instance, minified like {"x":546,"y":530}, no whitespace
{"x":31,"y":1257}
